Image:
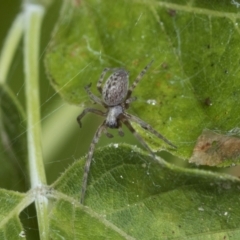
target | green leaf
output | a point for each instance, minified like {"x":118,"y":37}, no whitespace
{"x":194,"y":81}
{"x":13,"y":149}
{"x":130,"y":196}
{"x":133,"y":197}
{"x":10,"y":226}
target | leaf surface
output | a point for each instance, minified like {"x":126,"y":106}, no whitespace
{"x":130,"y":196}
{"x":10,"y":207}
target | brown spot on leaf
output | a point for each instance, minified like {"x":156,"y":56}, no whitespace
{"x":207,"y":101}
{"x":213,"y":149}
{"x":164,"y":65}
{"x":76,"y":3}
{"x":172,"y":12}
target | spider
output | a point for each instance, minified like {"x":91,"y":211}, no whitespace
{"x":116,"y":98}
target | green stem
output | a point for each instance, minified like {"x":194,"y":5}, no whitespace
{"x":33,"y":19}
{"x":9,"y":47}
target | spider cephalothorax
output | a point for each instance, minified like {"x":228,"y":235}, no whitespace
{"x":116,"y":97}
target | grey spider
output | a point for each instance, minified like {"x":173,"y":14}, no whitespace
{"x":116,"y":97}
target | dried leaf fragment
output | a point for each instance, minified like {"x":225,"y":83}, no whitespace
{"x":213,"y":149}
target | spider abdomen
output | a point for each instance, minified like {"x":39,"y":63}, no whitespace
{"x":116,"y":87}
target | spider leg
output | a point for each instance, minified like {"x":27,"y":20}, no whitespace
{"x":136,"y":81}
{"x":95,"y":139}
{"x":130,"y":100}
{"x":91,"y":95}
{"x":140,"y":139}
{"x":120,"y":131}
{"x":87,"y":110}
{"x":148,"y":127}
{"x":99,"y":83}
{"x":109,"y":135}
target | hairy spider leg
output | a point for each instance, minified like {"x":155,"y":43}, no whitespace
{"x":120,"y":131}
{"x":109,"y":135}
{"x":148,"y":127}
{"x":87,"y":110}
{"x":140,"y":139}
{"x":130,"y":100}
{"x":136,"y":81}
{"x":91,"y":95}
{"x":95,"y":139}
{"x":100,"y":80}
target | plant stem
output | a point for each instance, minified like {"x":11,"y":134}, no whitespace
{"x":33,"y":19}
{"x":9,"y":47}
